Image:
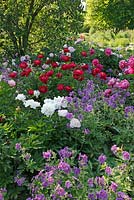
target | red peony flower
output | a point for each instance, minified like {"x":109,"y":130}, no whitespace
{"x":65,"y":66}
{"x":54,"y":64}
{"x":43,"y":78}
{"x":60,"y":87}
{"x":103,"y":75}
{"x":72,"y":65}
{"x":84,"y":67}
{"x":66,"y":50}
{"x":68,"y":88}
{"x":49,"y":73}
{"x":30,"y":92}
{"x":64,"y":58}
{"x":26,"y":72}
{"x":59,"y":75}
{"x":100,"y":66}
{"x":95,"y":71}
{"x":84,"y":53}
{"x":23,"y":65}
{"x":37,"y":62}
{"x":40,"y":56}
{"x":48,"y":61}
{"x":13,"y":74}
{"x":43,"y":89}
{"x":78,"y":74}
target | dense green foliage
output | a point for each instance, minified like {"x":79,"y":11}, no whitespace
{"x":101,"y":127}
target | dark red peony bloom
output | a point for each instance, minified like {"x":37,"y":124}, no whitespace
{"x":54,"y":64}
{"x":13,"y":74}
{"x":30,"y":92}
{"x":103,"y":75}
{"x":43,"y":78}
{"x":26,"y":72}
{"x":84,"y":53}
{"x":23,"y":65}
{"x":43,"y":89}
{"x":59,"y":75}
{"x":96,"y":71}
{"x":40,"y":56}
{"x":37,"y":62}
{"x":68,"y":88}
{"x":64,"y":58}
{"x":60,"y":87}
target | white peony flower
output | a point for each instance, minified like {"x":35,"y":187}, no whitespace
{"x":64,"y":103}
{"x":48,"y":101}
{"x":62,"y":113}
{"x":33,"y":104}
{"x":36,"y":93}
{"x":58,"y":102}
{"x":22,"y":58}
{"x":45,"y":66}
{"x":75,"y":123}
{"x":13,"y":62}
{"x":21,"y":97}
{"x":51,"y":55}
{"x":65,"y":46}
{"x":48,"y":109}
{"x":68,"y":54}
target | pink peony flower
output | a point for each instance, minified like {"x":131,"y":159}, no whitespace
{"x":108,"y":52}
{"x":129,"y":70}
{"x":12,"y":83}
{"x":131,"y":62}
{"x":95,"y":62}
{"x":123,"y":64}
{"x":107,"y":92}
{"x":91,"y":51}
{"x":124,"y":84}
{"x":112,"y":81}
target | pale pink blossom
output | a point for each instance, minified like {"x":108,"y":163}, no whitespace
{"x":12,"y":83}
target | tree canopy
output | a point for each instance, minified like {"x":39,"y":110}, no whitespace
{"x":26,"y":24}
{"x":106,"y":14}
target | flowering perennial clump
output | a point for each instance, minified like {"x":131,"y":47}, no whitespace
{"x":60,"y":178}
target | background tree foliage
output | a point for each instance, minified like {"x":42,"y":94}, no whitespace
{"x":27,"y":25}
{"x":106,"y":14}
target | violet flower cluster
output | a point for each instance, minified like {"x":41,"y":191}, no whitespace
{"x":62,"y":179}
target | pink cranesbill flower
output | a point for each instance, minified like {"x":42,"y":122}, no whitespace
{"x":114,"y":148}
{"x":47,"y":155}
{"x":108,"y":170}
{"x":113,"y":186}
{"x":125,"y":155}
{"x":102,"y":158}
